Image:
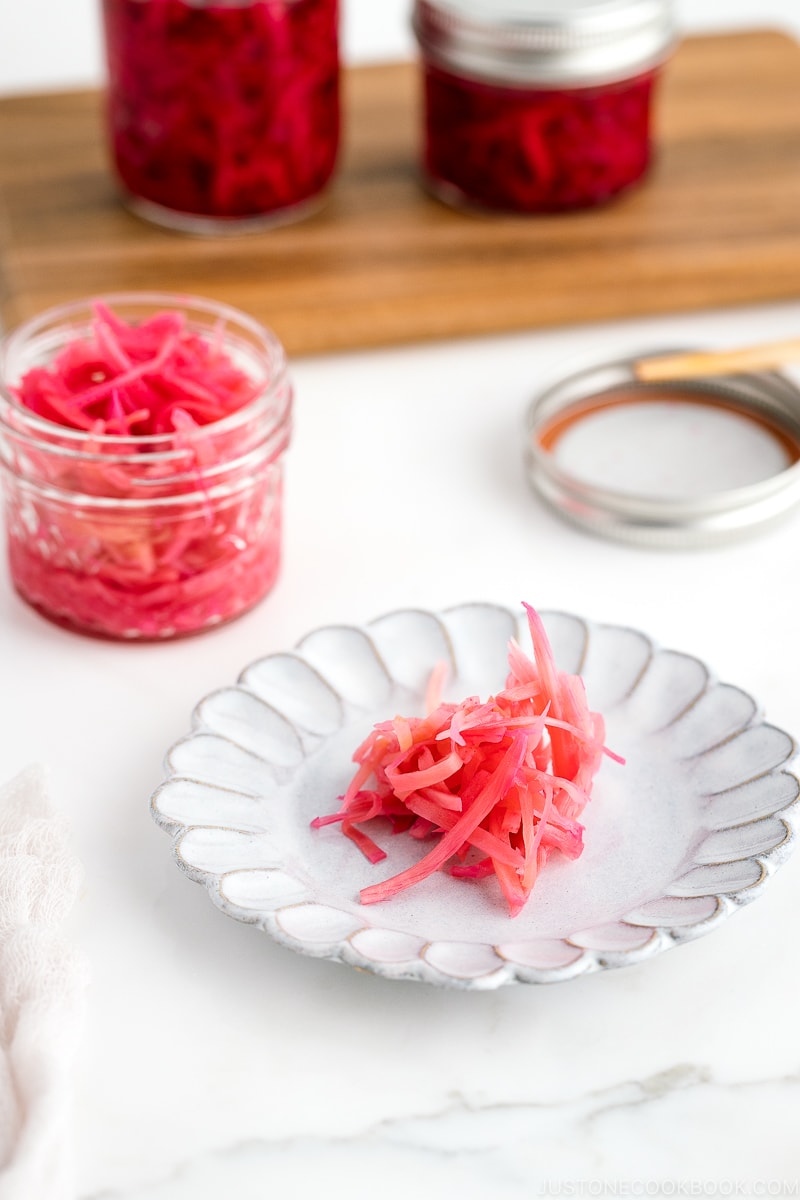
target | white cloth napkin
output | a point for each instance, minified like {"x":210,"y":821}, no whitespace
{"x":42,"y":983}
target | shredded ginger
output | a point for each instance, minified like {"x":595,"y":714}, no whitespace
{"x":536,"y":149}
{"x":157,"y":377}
{"x":500,"y":784}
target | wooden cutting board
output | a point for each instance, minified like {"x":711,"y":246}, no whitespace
{"x":717,"y":222}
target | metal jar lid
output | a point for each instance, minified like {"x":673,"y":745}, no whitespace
{"x":569,"y":43}
{"x":689,"y":464}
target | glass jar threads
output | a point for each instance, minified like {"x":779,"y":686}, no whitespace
{"x":539,"y":105}
{"x":223,"y":114}
{"x":141,"y":443}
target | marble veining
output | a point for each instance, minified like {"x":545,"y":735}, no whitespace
{"x":496,"y":1140}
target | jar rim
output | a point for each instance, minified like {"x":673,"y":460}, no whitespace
{"x":131,"y":445}
{"x":714,"y":518}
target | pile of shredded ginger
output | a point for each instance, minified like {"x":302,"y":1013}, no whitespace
{"x":157,"y":377}
{"x":499,"y":784}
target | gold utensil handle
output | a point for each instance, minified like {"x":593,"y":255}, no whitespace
{"x":699,"y":364}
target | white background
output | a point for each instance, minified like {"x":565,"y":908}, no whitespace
{"x":55,"y":43}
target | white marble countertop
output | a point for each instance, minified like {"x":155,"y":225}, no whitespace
{"x":216,"y":1063}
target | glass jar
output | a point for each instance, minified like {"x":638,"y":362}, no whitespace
{"x":539,"y":105}
{"x":223,"y":114}
{"x":153,"y":535}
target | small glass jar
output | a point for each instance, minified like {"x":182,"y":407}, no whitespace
{"x":223,"y":114}
{"x":539,"y":105}
{"x":152,"y":536}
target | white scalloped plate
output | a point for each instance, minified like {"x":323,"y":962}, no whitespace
{"x":690,"y":828}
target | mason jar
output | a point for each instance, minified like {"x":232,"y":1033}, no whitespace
{"x":142,"y":535}
{"x":539,"y":105}
{"x":222,"y":114}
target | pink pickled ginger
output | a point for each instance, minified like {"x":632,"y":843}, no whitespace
{"x":499,"y":783}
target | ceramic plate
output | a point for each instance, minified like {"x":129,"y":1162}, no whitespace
{"x":691,"y":827}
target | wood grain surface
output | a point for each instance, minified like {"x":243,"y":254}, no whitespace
{"x":716,"y":223}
